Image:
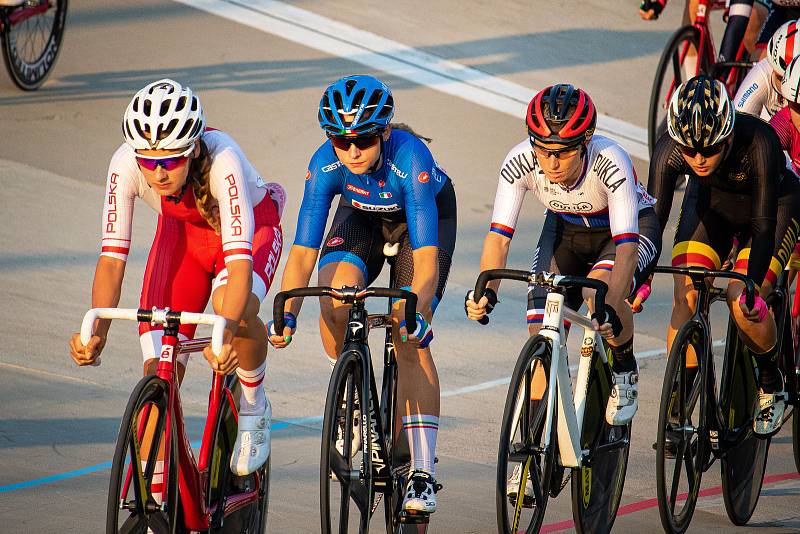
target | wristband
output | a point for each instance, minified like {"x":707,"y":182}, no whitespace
{"x":423,"y":332}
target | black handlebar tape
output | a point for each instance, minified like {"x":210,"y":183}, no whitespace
{"x":281,"y":298}
{"x":700,"y":272}
{"x":495,"y":274}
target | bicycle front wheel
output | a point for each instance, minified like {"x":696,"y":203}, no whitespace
{"x":743,"y":466}
{"x":346,"y":494}
{"x":681,"y":448}
{"x":132,"y":506}
{"x":524,"y":463}
{"x":597,"y":485}
{"x":32,"y":40}
{"x":674,"y":68}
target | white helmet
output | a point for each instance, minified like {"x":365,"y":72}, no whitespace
{"x":790,"y":83}
{"x":163,"y":116}
{"x":783,"y":46}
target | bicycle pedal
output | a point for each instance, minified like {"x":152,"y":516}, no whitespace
{"x":527,"y":502}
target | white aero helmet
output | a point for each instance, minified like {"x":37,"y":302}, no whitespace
{"x":790,"y":83}
{"x":783,"y":46}
{"x":163,"y":116}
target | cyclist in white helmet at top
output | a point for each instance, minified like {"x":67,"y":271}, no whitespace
{"x":759,"y":93}
{"x":218,"y":236}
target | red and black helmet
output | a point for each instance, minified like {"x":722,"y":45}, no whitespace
{"x":561,"y":114}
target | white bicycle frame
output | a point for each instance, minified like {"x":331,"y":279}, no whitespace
{"x":570,"y":409}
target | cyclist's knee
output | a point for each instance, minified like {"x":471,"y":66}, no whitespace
{"x":533,"y":328}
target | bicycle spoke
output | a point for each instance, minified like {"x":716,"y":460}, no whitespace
{"x":676,"y":476}
{"x":344,"y":508}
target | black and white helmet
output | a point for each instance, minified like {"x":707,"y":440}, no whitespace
{"x":700,"y":113}
{"x":790,"y":83}
{"x":163,"y":116}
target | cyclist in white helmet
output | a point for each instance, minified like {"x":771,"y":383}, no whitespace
{"x":759,"y":93}
{"x":218,"y":236}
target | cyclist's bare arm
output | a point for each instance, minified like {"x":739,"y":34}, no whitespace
{"x":622,"y":274}
{"x":494,"y":256}
{"x":426,"y":276}
{"x":296,"y":273}
{"x":106,"y":290}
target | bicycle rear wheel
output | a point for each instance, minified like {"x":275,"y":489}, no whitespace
{"x":597,"y":485}
{"x":669,"y":74}
{"x":344,"y":479}
{"x":681,"y":448}
{"x":32,"y":41}
{"x":131,"y":506}
{"x":522,"y":445}
{"x":743,"y":466}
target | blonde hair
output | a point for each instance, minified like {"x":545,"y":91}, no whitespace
{"x":198,"y":179}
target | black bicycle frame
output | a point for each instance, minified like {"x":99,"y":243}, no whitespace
{"x":717,"y":430}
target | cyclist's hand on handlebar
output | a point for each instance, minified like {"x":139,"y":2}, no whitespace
{"x":282,"y":341}
{"x":422,"y":335}
{"x":641,"y":295}
{"x":759,"y":311}
{"x":225,"y":362}
{"x":611,"y":327}
{"x":88,"y":354}
{"x":478,"y":310}
{"x":651,"y":9}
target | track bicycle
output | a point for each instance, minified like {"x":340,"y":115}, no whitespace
{"x":696,"y":424}
{"x":791,"y":355}
{"x":351,"y":486}
{"x":672,"y":69}
{"x":32,"y":34}
{"x":198,"y":496}
{"x":563,"y":430}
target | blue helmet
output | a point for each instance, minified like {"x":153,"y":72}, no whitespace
{"x":365,"y":96}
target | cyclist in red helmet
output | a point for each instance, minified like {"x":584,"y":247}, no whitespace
{"x":599,"y":222}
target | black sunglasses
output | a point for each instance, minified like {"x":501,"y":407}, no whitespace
{"x":706,"y":152}
{"x":362,"y":142}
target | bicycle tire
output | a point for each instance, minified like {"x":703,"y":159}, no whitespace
{"x":597,"y":488}
{"x":670,"y":57}
{"x":347,"y":377}
{"x":521,"y":412}
{"x":796,"y":438}
{"x":693,"y":452}
{"x":152,"y":391}
{"x":29,"y":72}
{"x":743,"y":466}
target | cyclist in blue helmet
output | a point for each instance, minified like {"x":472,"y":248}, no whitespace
{"x":391,"y":191}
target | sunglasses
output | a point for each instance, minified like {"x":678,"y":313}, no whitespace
{"x":362,"y":142}
{"x":562,"y":153}
{"x":706,"y":152}
{"x":170,"y":163}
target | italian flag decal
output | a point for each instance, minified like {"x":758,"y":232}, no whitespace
{"x":385,"y":195}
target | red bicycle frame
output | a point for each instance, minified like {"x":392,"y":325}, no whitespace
{"x":706,"y":50}
{"x":192,"y":475}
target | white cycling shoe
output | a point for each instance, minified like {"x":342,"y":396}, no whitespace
{"x":512,"y":487}
{"x":624,"y":399}
{"x":252,"y":442}
{"x":421,"y":491}
{"x":768,"y":416}
{"x":355,"y":442}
